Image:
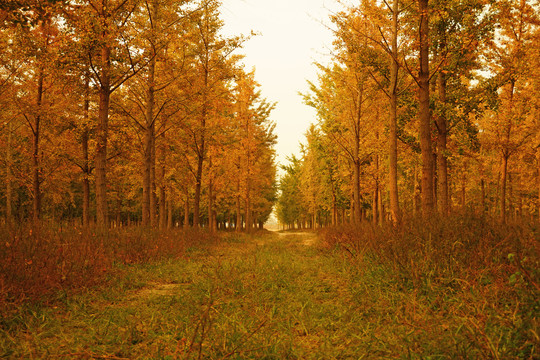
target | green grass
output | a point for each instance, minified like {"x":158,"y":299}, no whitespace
{"x":267,"y":296}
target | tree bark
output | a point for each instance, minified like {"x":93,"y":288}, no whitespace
{"x":504,"y":176}
{"x":375,"y":205}
{"x":149,"y":147}
{"x":238,"y":224}
{"x":442,"y":163}
{"x":211,"y":225}
{"x":334,"y":209}
{"x":170,"y":211}
{"x":483,"y":194}
{"x":392,"y":143}
{"x":424,"y":112}
{"x":186,"y":209}
{"x":85,"y":157}
{"x":357,"y":219}
{"x":9,"y":184}
{"x":102,"y":135}
{"x":36,"y":181}
{"x":162,"y":201}
{"x":198,"y":183}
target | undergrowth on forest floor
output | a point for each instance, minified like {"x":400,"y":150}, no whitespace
{"x":357,"y":293}
{"x":37,"y":264}
{"x":466,"y":283}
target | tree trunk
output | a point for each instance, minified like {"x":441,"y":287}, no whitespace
{"x":506,"y":150}
{"x":392,"y":141}
{"x":149,"y":150}
{"x":147,"y":187}
{"x":149,"y":199}
{"x":211,"y":225}
{"x":375,"y":205}
{"x":442,"y":163}
{"x":424,"y":112}
{"x":249,"y":221}
{"x":357,"y":219}
{"x":153,"y":185}
{"x":463,"y":189}
{"x":238,"y":223}
{"x":198,"y":180}
{"x":416,"y":191}
{"x":102,"y":135}
{"x":170,"y":211}
{"x":504,"y":175}
{"x":483,"y":194}
{"x":9,"y":185}
{"x":334,"y":209}
{"x":186,"y":209}
{"x":36,"y":181}
{"x":381,"y":207}
{"x":162,"y":201}
{"x":85,"y":156}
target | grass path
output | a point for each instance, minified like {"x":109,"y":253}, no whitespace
{"x":272,"y":296}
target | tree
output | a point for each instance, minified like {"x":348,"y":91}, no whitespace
{"x":509,"y":124}
{"x":105,"y":23}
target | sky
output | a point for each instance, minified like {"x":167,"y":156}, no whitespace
{"x":292,"y":35}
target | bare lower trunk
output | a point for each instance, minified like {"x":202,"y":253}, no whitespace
{"x":170,"y":211}
{"x":36,"y":181}
{"x":153,"y":185}
{"x":357,"y":218}
{"x":424,"y":112}
{"x":504,"y":175}
{"x":86,"y":179}
{"x":249,"y":221}
{"x":162,"y":201}
{"x":334,"y":210}
{"x":211,"y":225}
{"x":197,"y":200}
{"x":186,"y":209}
{"x":392,"y":143}
{"x":483,"y":194}
{"x":102,"y":134}
{"x":238,"y":225}
{"x":9,"y":185}
{"x":375,"y":205}
{"x":147,"y":187}
{"x":442,"y":163}
{"x":85,"y":156}
{"x":463,"y":190}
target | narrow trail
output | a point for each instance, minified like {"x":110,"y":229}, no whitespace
{"x":274,"y":296}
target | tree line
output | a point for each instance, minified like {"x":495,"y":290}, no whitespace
{"x":130,"y":111}
{"x":427,"y":106}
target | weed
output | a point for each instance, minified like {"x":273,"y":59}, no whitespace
{"x":476,"y":278}
{"x":37,"y":265}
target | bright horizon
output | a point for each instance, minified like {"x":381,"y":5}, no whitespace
{"x":292,"y":36}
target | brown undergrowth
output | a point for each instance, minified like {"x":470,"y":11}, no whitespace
{"x":36,"y":265}
{"x":479,"y":278}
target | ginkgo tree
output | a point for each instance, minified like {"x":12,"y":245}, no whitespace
{"x":473,"y":105}
{"x":120,"y":86}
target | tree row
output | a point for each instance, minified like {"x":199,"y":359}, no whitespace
{"x":426,"y":107}
{"x":130,"y":111}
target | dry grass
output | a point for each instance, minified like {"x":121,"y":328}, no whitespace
{"x":478,"y":278}
{"x":35,"y":265}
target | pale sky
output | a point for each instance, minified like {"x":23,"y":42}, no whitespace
{"x":292,"y":36}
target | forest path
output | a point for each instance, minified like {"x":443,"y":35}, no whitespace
{"x":273,"y":295}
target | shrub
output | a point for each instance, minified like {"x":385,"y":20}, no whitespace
{"x":480,"y":276}
{"x":34,"y":265}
